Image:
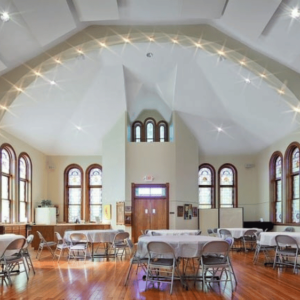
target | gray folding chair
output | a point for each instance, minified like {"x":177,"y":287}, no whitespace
{"x":61,"y":246}
{"x":262,"y":248}
{"x":224,"y":233}
{"x":79,"y":247}
{"x":135,"y":260}
{"x":161,"y":257}
{"x":249,"y":238}
{"x":44,"y":243}
{"x":210,"y":232}
{"x":153,"y":233}
{"x":119,"y":244}
{"x":214,"y":262}
{"x":26,"y":254}
{"x":230,"y":241}
{"x":12,"y":257}
{"x":289,"y":229}
{"x":286,"y":247}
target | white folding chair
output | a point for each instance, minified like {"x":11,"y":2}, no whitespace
{"x":26,"y":254}
{"x":79,"y":248}
{"x":61,"y":246}
{"x":44,"y":243}
{"x":119,"y":244}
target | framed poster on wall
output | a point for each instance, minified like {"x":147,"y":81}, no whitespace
{"x":120,"y":211}
{"x":107,"y":211}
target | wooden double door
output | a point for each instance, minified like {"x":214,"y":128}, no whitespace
{"x":150,"y":213}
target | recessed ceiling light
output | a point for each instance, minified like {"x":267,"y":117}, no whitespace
{"x":102,"y":44}
{"x":19,"y":89}
{"x":221,"y":52}
{"x":52,"y":82}
{"x":126,"y":40}
{"x":198,"y":45}
{"x":295,"y":13}
{"x":149,"y":54}
{"x":219,"y":129}
{"x":5,"y":17}
{"x":78,"y":127}
{"x":80,"y":51}
{"x":3,"y":107}
{"x":281,"y":92}
{"x":247,"y":80}
{"x":58,"y":61}
{"x":151,"y":39}
{"x":296,"y":109}
{"x":262,"y":75}
{"x":175,"y":41}
{"x":242,"y":62}
{"x":37,"y":73}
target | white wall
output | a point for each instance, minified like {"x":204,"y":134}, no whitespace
{"x":247,"y":181}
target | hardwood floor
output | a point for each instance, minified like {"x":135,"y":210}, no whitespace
{"x":105,"y":280}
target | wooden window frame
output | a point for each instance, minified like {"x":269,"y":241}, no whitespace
{"x":66,"y":189}
{"x":234,"y":186}
{"x":273,"y":186}
{"x":212,"y":186}
{"x":166,"y":136}
{"x":134,"y":125}
{"x":150,"y":121}
{"x":28,"y":186}
{"x":11,"y":177}
{"x":88,"y":187}
{"x":289,"y":180}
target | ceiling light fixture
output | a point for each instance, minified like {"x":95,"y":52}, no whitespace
{"x":221,"y":53}
{"x":19,"y":89}
{"x":58,"y":61}
{"x":126,"y":40}
{"x":219,"y":129}
{"x":262,"y":75}
{"x":5,"y":17}
{"x":37,"y":73}
{"x":78,"y":127}
{"x":281,"y":92}
{"x":295,"y":13}
{"x":52,"y":82}
{"x":175,"y":41}
{"x":198,"y":45}
{"x":102,"y":44}
{"x":247,"y":80}
{"x":151,"y":39}
{"x":296,"y":109}
{"x":3,"y":107}
{"x":242,"y":63}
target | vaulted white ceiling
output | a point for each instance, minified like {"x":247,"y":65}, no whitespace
{"x":228,"y":65}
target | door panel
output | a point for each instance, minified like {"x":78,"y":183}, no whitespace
{"x":158,"y":214}
{"x":142,"y":218}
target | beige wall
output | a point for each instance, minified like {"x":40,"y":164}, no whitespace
{"x":247,"y":181}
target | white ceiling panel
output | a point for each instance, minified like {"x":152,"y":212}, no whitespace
{"x":96,"y":10}
{"x":249,"y":18}
{"x":47,"y":20}
{"x":199,"y":9}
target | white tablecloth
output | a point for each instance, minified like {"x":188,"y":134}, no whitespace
{"x":268,"y":238}
{"x":174,"y":231}
{"x":5,"y":240}
{"x":239,"y":232}
{"x":183,"y":245}
{"x":94,"y":236}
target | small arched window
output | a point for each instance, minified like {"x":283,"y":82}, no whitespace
{"x":94,"y":192}
{"x":206,"y":183}
{"x":25,"y":175}
{"x":8,"y":166}
{"x":275,"y":171}
{"x":73,"y":193}
{"x":162,"y":131}
{"x":227,"y":186}
{"x":292,"y":181}
{"x":150,"y":130}
{"x":137,"y":132}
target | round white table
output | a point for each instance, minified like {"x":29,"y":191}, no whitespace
{"x":6,"y":239}
{"x":268,"y":238}
{"x":239,"y":232}
{"x":174,"y":231}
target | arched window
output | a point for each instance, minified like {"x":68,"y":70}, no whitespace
{"x":150,"y":130}
{"x":275,"y":171}
{"x":137,"y":132}
{"x":206,"y":183}
{"x":94,"y":192}
{"x":162,"y":129}
{"x":227,"y":186}
{"x":8,"y":167}
{"x":73,"y":193}
{"x":292,"y":181}
{"x":25,"y":175}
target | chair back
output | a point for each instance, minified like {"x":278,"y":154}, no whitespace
{"x":15,"y":246}
{"x":286,"y":240}
{"x":77,"y":238}
{"x":60,"y":240}
{"x":121,"y":236}
{"x":29,"y":239}
{"x":229,"y":240}
{"x":160,"y":248}
{"x":210,"y":231}
{"x":224,"y":233}
{"x":218,"y":248}
{"x":215,"y":230}
{"x":198,"y":232}
{"x":289,"y":229}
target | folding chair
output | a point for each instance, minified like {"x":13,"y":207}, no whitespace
{"x":79,"y":248}
{"x":44,"y":243}
{"x":286,"y":247}
{"x":158,"y":264}
{"x":249,"y":237}
{"x":135,"y":260}
{"x":12,"y":257}
{"x":262,"y":248}
{"x":26,"y":254}
{"x":289,"y":229}
{"x":119,"y":244}
{"x":214,"y":262}
{"x":224,"y":233}
{"x":210,"y":232}
{"x":61,"y":246}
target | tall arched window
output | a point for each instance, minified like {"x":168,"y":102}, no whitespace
{"x":73,"y":193}
{"x":94,"y":192}
{"x":137,"y":132}
{"x":8,"y":167}
{"x":275,"y":171}
{"x":206,"y":183}
{"x":150,"y":130}
{"x":162,"y":129}
{"x":227,"y":186}
{"x":25,"y":175}
{"x":292,"y":181}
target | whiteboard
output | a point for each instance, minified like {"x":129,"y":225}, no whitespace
{"x":208,"y":218}
{"x":231,"y":217}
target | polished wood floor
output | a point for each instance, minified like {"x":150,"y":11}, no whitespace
{"x":105,"y":280}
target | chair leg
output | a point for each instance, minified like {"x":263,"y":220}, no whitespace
{"x":128,"y":272}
